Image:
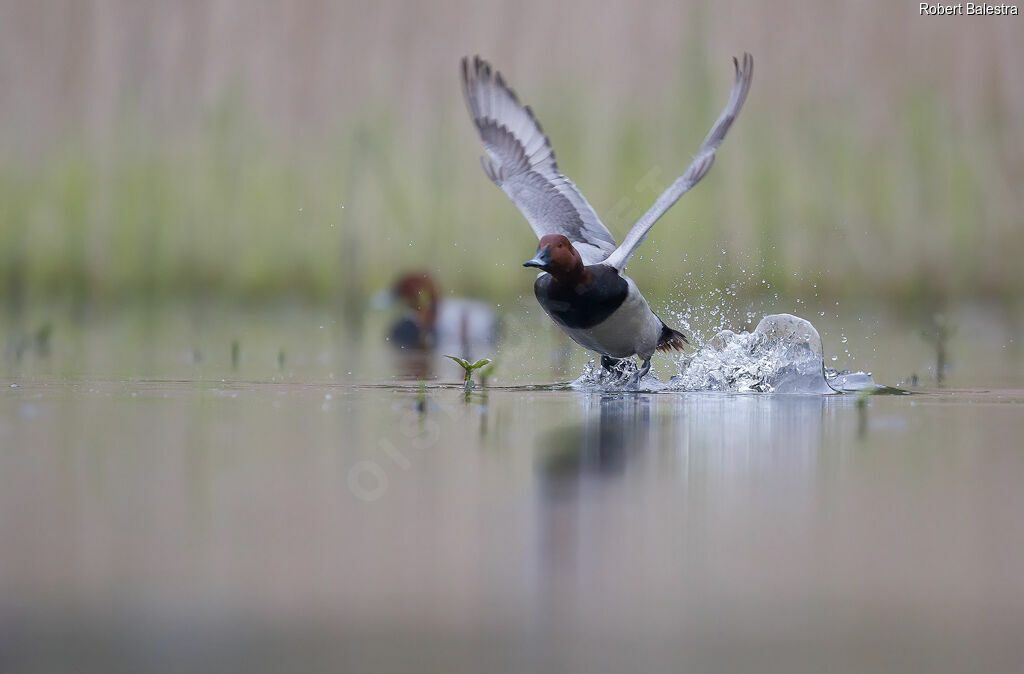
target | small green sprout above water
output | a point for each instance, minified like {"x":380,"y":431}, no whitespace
{"x":280,"y":359}
{"x":469,"y":367}
{"x":236,"y":353}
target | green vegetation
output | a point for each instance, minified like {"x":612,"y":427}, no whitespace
{"x":870,"y":180}
{"x":229,"y":216}
{"x":469,"y":367}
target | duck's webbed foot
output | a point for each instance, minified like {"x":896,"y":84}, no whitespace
{"x":641,"y":373}
{"x":613,"y":368}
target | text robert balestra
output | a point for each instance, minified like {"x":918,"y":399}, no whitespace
{"x":968,"y":9}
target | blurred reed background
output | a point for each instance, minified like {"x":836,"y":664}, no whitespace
{"x":309,"y":149}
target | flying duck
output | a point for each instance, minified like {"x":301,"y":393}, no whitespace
{"x":582,"y":286}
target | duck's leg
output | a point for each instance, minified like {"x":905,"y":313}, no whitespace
{"x":641,"y":373}
{"x":611,"y":368}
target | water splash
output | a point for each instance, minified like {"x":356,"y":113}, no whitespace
{"x":782,"y":355}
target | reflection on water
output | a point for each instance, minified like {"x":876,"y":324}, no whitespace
{"x":741,"y":428}
{"x":615,"y":426}
{"x":204,"y":523}
{"x":157,"y":525}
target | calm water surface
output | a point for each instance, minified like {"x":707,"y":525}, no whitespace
{"x":162,"y":509}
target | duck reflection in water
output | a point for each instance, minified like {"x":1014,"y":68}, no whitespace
{"x":433,"y":325}
{"x":601,"y":446}
{"x":706,"y":435}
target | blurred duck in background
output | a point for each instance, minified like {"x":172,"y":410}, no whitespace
{"x":452,"y":325}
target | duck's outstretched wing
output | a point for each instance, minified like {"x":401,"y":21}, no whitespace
{"x":698,"y":168}
{"x":521,"y":162}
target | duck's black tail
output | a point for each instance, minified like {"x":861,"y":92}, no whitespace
{"x":671,"y":339}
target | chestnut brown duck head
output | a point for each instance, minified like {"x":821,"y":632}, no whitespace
{"x":556,"y":256}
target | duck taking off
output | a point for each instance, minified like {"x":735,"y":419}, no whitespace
{"x":582,"y":287}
